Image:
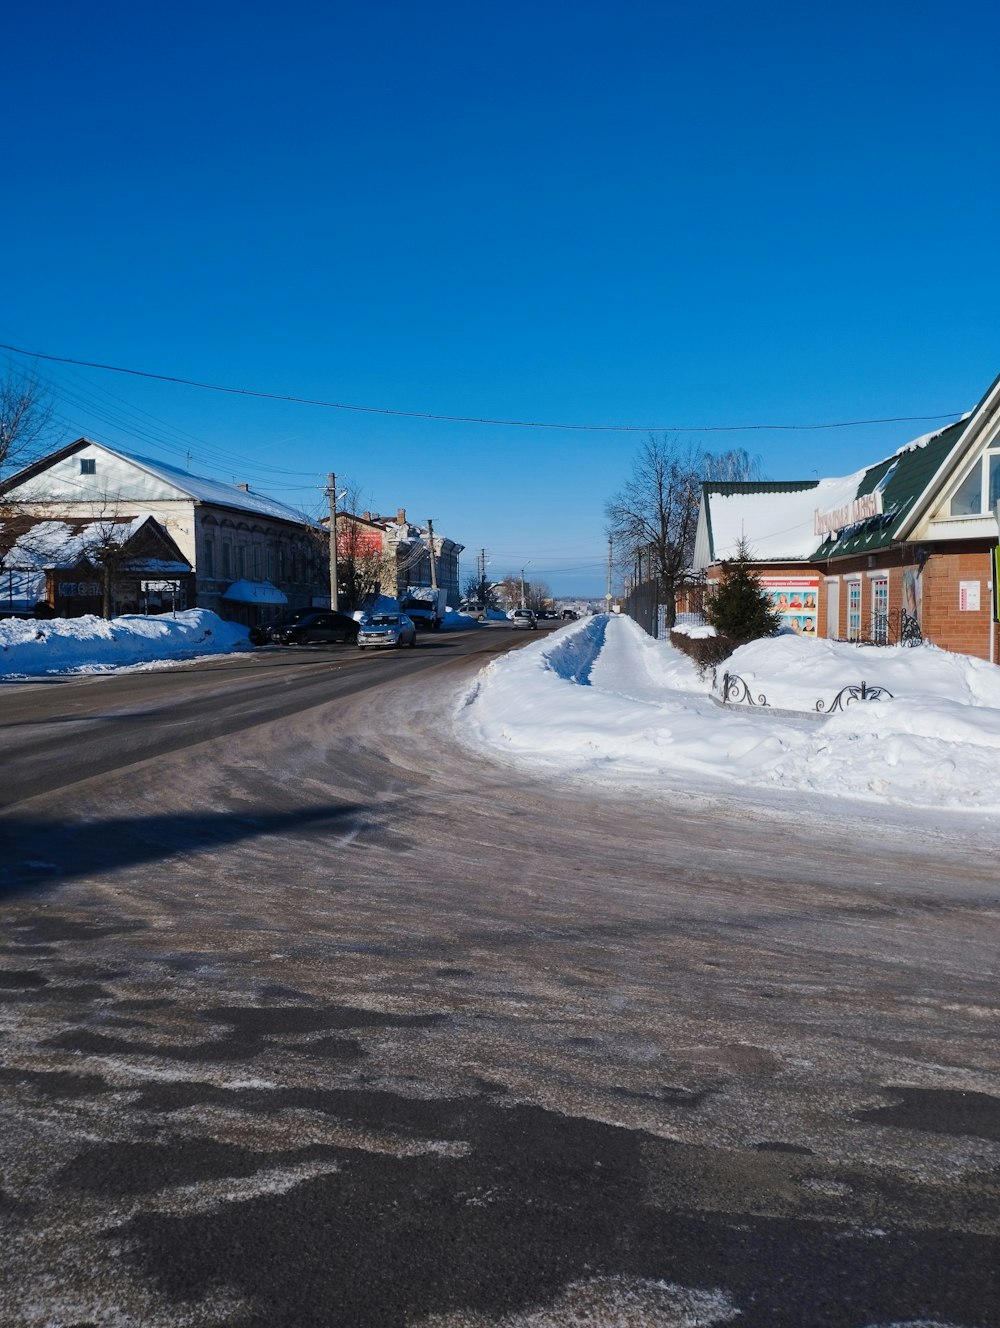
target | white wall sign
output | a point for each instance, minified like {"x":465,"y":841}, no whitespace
{"x":968,"y":596}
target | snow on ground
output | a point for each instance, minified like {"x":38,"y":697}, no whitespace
{"x":602,"y":699}
{"x":36,"y":647}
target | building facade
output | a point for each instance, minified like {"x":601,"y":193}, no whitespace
{"x":250,"y":555}
{"x":903,"y":549}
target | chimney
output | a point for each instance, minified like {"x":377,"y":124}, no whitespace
{"x":366,"y":516}
{"x":244,"y":487}
{"x":401,"y":516}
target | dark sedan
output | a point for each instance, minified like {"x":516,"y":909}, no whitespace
{"x":317,"y":628}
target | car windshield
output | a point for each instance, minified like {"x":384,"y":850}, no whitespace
{"x":384,"y":620}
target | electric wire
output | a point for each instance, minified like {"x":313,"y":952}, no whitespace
{"x":470,"y":419}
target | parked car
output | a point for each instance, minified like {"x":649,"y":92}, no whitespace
{"x":315,"y":628}
{"x":387,"y":629}
{"x":261,"y":635}
{"x":523,"y":618}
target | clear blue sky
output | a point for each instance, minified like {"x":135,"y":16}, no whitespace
{"x":591,"y":213}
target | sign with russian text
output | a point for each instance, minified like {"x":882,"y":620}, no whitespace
{"x":850,"y":514}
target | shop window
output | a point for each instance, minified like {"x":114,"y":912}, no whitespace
{"x":853,"y":610}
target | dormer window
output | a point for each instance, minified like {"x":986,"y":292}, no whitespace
{"x":979,"y":492}
{"x":88,"y":466}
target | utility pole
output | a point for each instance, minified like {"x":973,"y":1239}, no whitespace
{"x":527,"y":564}
{"x":430,"y":543}
{"x":608,"y":595}
{"x":331,"y":493}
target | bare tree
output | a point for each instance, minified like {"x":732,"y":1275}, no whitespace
{"x":654,"y":517}
{"x":25,"y":419}
{"x":366,"y":567}
{"x":509,"y":591}
{"x":731,"y":466}
{"x":537,"y":595}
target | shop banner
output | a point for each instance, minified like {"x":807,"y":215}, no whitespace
{"x":796,"y":598}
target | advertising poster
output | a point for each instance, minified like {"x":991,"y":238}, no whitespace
{"x":796,"y":598}
{"x":911,"y":592}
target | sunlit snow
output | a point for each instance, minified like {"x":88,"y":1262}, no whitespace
{"x":602,"y":699}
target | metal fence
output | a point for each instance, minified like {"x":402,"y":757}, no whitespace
{"x":642,"y":604}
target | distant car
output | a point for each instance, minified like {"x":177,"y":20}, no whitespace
{"x":523,"y":618}
{"x":387,"y":629}
{"x":317,"y":628}
{"x":569,"y":613}
{"x":261,"y":635}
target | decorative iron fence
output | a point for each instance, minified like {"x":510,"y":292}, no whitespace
{"x":736,"y":691}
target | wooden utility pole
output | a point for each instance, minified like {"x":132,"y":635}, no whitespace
{"x":331,"y":493}
{"x":608,"y":595}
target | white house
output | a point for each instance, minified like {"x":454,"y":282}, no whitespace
{"x":250,"y":553}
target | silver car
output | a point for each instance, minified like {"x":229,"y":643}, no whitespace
{"x":387,"y":629}
{"x":523,"y":618}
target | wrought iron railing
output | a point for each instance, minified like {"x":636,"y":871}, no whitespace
{"x":736,"y":692}
{"x":858,"y":691}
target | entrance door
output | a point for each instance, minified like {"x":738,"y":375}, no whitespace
{"x":833,"y":609}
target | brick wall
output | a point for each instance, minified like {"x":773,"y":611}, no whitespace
{"x":945,"y":623}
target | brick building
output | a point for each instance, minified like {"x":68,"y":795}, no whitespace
{"x":905,"y":546}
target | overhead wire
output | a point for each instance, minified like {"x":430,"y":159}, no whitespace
{"x":468,"y":419}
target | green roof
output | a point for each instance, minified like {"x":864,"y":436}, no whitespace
{"x":902,"y":478}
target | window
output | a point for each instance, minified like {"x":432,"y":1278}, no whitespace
{"x":210,"y":557}
{"x":88,"y":466}
{"x":880,"y":610}
{"x":979,"y":492}
{"x":227,"y":560}
{"x":853,"y":610}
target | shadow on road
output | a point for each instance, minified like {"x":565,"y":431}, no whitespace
{"x":38,"y":853}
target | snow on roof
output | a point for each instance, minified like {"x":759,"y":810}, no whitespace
{"x":777,"y":523}
{"x":63,"y":543}
{"x":213,"y":491}
{"x":926,"y":438}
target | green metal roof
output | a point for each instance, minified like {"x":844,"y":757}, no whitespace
{"x":903,"y":479}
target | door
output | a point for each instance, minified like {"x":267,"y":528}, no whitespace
{"x":833,"y":609}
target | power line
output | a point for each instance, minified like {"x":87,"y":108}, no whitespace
{"x":474,"y":419}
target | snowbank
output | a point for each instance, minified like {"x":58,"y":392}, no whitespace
{"x":602,"y":699}
{"x":32,"y":648}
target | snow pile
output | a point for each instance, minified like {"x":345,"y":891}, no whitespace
{"x":32,"y":648}
{"x":602,"y":699}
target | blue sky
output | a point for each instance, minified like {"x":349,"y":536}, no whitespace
{"x":643,"y":214}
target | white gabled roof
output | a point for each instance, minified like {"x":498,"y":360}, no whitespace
{"x":775,"y":520}
{"x":212,"y":491}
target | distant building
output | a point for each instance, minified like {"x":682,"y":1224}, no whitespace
{"x":407,"y":550}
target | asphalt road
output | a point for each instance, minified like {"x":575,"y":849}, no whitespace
{"x":311,"y":1016}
